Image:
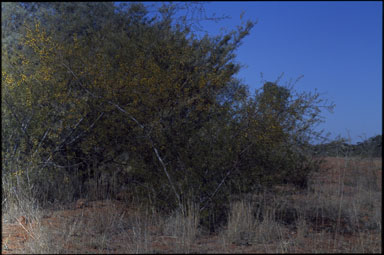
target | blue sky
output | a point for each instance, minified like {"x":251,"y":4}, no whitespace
{"x":337,"y":46}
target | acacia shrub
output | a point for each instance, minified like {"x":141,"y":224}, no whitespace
{"x":76,"y":100}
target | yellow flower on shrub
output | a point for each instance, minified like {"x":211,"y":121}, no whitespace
{"x":18,"y":173}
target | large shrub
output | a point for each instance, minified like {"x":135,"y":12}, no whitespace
{"x":85,"y":83}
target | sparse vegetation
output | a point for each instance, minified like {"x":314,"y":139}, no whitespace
{"x":127,"y":133}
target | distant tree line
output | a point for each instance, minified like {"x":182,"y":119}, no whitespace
{"x":371,"y":147}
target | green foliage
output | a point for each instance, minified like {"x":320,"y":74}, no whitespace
{"x":111,"y":81}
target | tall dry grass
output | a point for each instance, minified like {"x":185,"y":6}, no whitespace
{"x":94,"y":231}
{"x":339,"y":212}
{"x":183,"y":227}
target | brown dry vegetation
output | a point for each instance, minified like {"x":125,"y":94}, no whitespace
{"x":339,"y":212}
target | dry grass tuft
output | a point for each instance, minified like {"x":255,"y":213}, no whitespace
{"x":183,"y":227}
